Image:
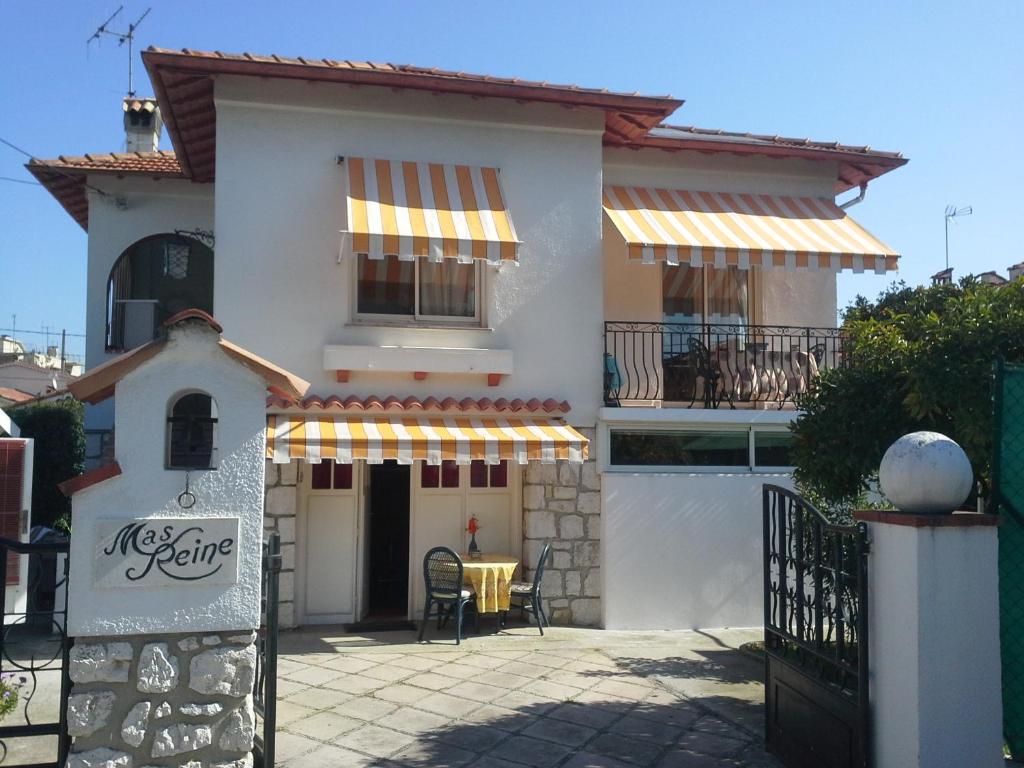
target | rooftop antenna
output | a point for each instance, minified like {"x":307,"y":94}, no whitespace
{"x":953,"y":212}
{"x":122,"y":38}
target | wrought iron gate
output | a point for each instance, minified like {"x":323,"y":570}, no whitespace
{"x":34,"y":650}
{"x":815,"y":635}
{"x":265,"y":689}
{"x":1008,"y":503}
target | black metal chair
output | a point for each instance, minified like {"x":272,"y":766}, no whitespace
{"x":707,"y":382}
{"x":526,"y":596}
{"x":442,"y":575}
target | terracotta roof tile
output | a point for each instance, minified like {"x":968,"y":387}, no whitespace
{"x":15,"y":395}
{"x":64,"y":177}
{"x":392,"y":404}
{"x":688,"y":131}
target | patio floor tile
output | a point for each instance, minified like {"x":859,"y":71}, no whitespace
{"x":590,"y":760}
{"x":489,"y":761}
{"x":319,"y":698}
{"x":287,"y":687}
{"x":681,"y":758}
{"x":472,"y":736}
{"x":595,"y":717}
{"x":402,"y":694}
{"x":556,"y":691}
{"x":621,"y":688}
{"x":324,"y":726}
{"x":446,"y":705}
{"x":477,"y":691}
{"x":387,"y":673}
{"x":430,"y":754}
{"x":287,"y":711}
{"x":533,"y":752}
{"x":416,"y":663}
{"x":348,"y":664}
{"x":634,"y":727}
{"x":354,"y":684}
{"x":560,"y":732}
{"x":290,"y":745}
{"x":314,"y":675}
{"x":414,"y":721}
{"x":503,"y":679}
{"x":676,"y":713}
{"x":459,"y":670}
{"x":497,"y":717}
{"x":535,"y":704}
{"x":366,"y":708}
{"x":431,"y":681}
{"x":625,"y":749}
{"x":524,"y":669}
{"x":711,"y":743}
{"x":379,"y":742}
{"x":327,"y":756}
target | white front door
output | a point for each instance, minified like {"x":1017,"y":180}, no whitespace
{"x":332,"y":530}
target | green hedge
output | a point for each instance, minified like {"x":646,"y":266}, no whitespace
{"x":59,"y":433}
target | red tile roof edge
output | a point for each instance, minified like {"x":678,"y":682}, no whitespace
{"x":193,"y":314}
{"x":757,"y":139}
{"x":353,"y":403}
{"x":92,"y":477}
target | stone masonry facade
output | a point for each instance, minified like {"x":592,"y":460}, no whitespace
{"x":562,"y":503}
{"x":171,"y":700}
{"x":280,"y":504}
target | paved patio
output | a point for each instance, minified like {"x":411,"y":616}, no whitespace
{"x":575,"y":698}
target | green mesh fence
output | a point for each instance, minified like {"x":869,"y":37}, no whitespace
{"x":1008,"y":484}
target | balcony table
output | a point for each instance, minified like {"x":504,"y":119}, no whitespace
{"x":491,"y":579}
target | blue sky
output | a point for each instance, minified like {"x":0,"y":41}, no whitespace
{"x":941,"y":82}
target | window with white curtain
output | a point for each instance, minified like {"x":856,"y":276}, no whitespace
{"x":418,"y":290}
{"x":706,"y":295}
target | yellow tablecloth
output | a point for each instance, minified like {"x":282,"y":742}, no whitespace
{"x":491,"y":579}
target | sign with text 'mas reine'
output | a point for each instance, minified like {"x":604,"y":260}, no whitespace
{"x":166,"y":551}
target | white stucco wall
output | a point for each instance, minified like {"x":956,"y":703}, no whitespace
{"x":280,"y":205}
{"x":935,"y":671}
{"x":152,"y":207}
{"x":682,"y":551}
{"x":191,"y":360}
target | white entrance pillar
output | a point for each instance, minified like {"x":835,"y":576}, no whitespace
{"x":933,"y":602}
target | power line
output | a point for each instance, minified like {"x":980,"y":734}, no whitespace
{"x":20,"y":331}
{"x":54,"y":169}
{"x":20,"y":181}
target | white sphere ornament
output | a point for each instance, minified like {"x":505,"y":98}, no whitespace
{"x":925,"y":473}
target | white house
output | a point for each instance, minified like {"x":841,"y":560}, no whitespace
{"x":455,"y":261}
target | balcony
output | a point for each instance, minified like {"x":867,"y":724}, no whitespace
{"x":700,"y":365}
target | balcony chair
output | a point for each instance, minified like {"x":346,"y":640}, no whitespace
{"x":442,"y":575}
{"x":612,"y":380}
{"x":526,"y":595}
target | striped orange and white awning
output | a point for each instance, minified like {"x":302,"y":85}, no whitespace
{"x":430,"y":439}
{"x":742,"y":230}
{"x":437,"y":211}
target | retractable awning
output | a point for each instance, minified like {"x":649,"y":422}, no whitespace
{"x":742,"y":230}
{"x":430,"y":210}
{"x":408,"y":439}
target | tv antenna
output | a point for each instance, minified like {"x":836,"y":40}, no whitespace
{"x":122,"y":38}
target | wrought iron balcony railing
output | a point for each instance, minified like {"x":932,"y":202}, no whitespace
{"x":712,"y":365}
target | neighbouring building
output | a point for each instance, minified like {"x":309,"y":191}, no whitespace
{"x":31,"y":378}
{"x":450,"y":259}
{"x":991,"y":277}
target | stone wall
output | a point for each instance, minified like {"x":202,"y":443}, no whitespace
{"x":562,"y":502}
{"x":173,"y":700}
{"x":280,"y":503}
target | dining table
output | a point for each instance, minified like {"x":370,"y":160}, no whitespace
{"x":490,"y":575}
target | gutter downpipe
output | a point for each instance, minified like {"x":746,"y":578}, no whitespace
{"x":859,"y":198}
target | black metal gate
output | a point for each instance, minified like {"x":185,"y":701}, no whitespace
{"x":34,"y":650}
{"x":816,"y":636}
{"x":265,"y":689}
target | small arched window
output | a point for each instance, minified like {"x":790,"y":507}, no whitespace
{"x":192,"y":432}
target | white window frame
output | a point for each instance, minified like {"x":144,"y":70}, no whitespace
{"x":751,"y":468}
{"x":417,"y":319}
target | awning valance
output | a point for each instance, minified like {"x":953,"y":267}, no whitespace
{"x":430,"y":439}
{"x":437,"y":211}
{"x":742,"y":230}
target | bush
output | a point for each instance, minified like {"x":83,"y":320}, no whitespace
{"x":918,"y":359}
{"x":58,"y":430}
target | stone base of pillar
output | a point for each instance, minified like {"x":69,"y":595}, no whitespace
{"x":936,"y":692}
{"x":174,"y":699}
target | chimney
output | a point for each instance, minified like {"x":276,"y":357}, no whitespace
{"x":1016,"y":270}
{"x":142,"y":124}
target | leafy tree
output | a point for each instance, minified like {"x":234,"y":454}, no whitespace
{"x":59,"y":433}
{"x":916,"y":358}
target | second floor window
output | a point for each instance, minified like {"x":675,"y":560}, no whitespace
{"x":418,"y":290}
{"x":706,"y":295}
